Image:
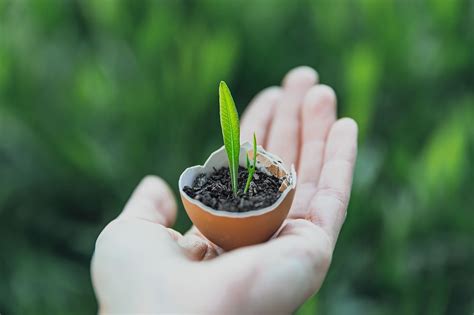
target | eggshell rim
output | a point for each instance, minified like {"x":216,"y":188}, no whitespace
{"x":252,"y":213}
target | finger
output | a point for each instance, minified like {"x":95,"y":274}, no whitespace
{"x":136,"y":239}
{"x":212,"y":249}
{"x":258,"y":115}
{"x":328,"y":207}
{"x":194,"y":231}
{"x":175,"y":235}
{"x":153,"y":201}
{"x":193,"y":246}
{"x":317,"y":115}
{"x":284,"y":133}
{"x":304,"y":194}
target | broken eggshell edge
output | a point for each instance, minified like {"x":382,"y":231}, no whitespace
{"x":231,"y":230}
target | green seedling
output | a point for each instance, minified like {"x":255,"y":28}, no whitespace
{"x":251,"y":168}
{"x":230,"y":132}
{"x":231,"y":136}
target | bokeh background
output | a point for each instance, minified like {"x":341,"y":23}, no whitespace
{"x":96,"y":94}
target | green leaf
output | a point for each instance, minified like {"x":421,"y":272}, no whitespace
{"x":254,"y":151}
{"x":251,"y":168}
{"x":230,"y":131}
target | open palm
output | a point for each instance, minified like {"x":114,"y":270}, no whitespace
{"x":141,"y":265}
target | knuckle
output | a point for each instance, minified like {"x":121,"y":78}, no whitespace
{"x":315,"y":219}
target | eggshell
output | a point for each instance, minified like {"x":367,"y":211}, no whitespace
{"x":231,"y":230}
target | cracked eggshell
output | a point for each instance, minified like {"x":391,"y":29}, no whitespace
{"x":231,"y":230}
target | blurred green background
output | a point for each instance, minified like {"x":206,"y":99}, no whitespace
{"x":96,"y":94}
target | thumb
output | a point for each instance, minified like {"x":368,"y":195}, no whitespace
{"x":152,"y":201}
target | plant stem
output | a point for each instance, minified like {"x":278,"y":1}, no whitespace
{"x":251,"y":168}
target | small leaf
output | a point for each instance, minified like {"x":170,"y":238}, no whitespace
{"x":230,"y":132}
{"x":251,"y":168}
{"x":254,"y":150}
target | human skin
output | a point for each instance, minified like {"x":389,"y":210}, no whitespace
{"x":141,"y":265}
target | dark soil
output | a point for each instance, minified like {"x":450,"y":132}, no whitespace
{"x":215,"y":190}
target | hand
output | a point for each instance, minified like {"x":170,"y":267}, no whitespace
{"x":141,"y":265}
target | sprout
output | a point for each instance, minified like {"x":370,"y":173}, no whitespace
{"x":231,"y":136}
{"x":230,"y":132}
{"x":251,"y":168}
